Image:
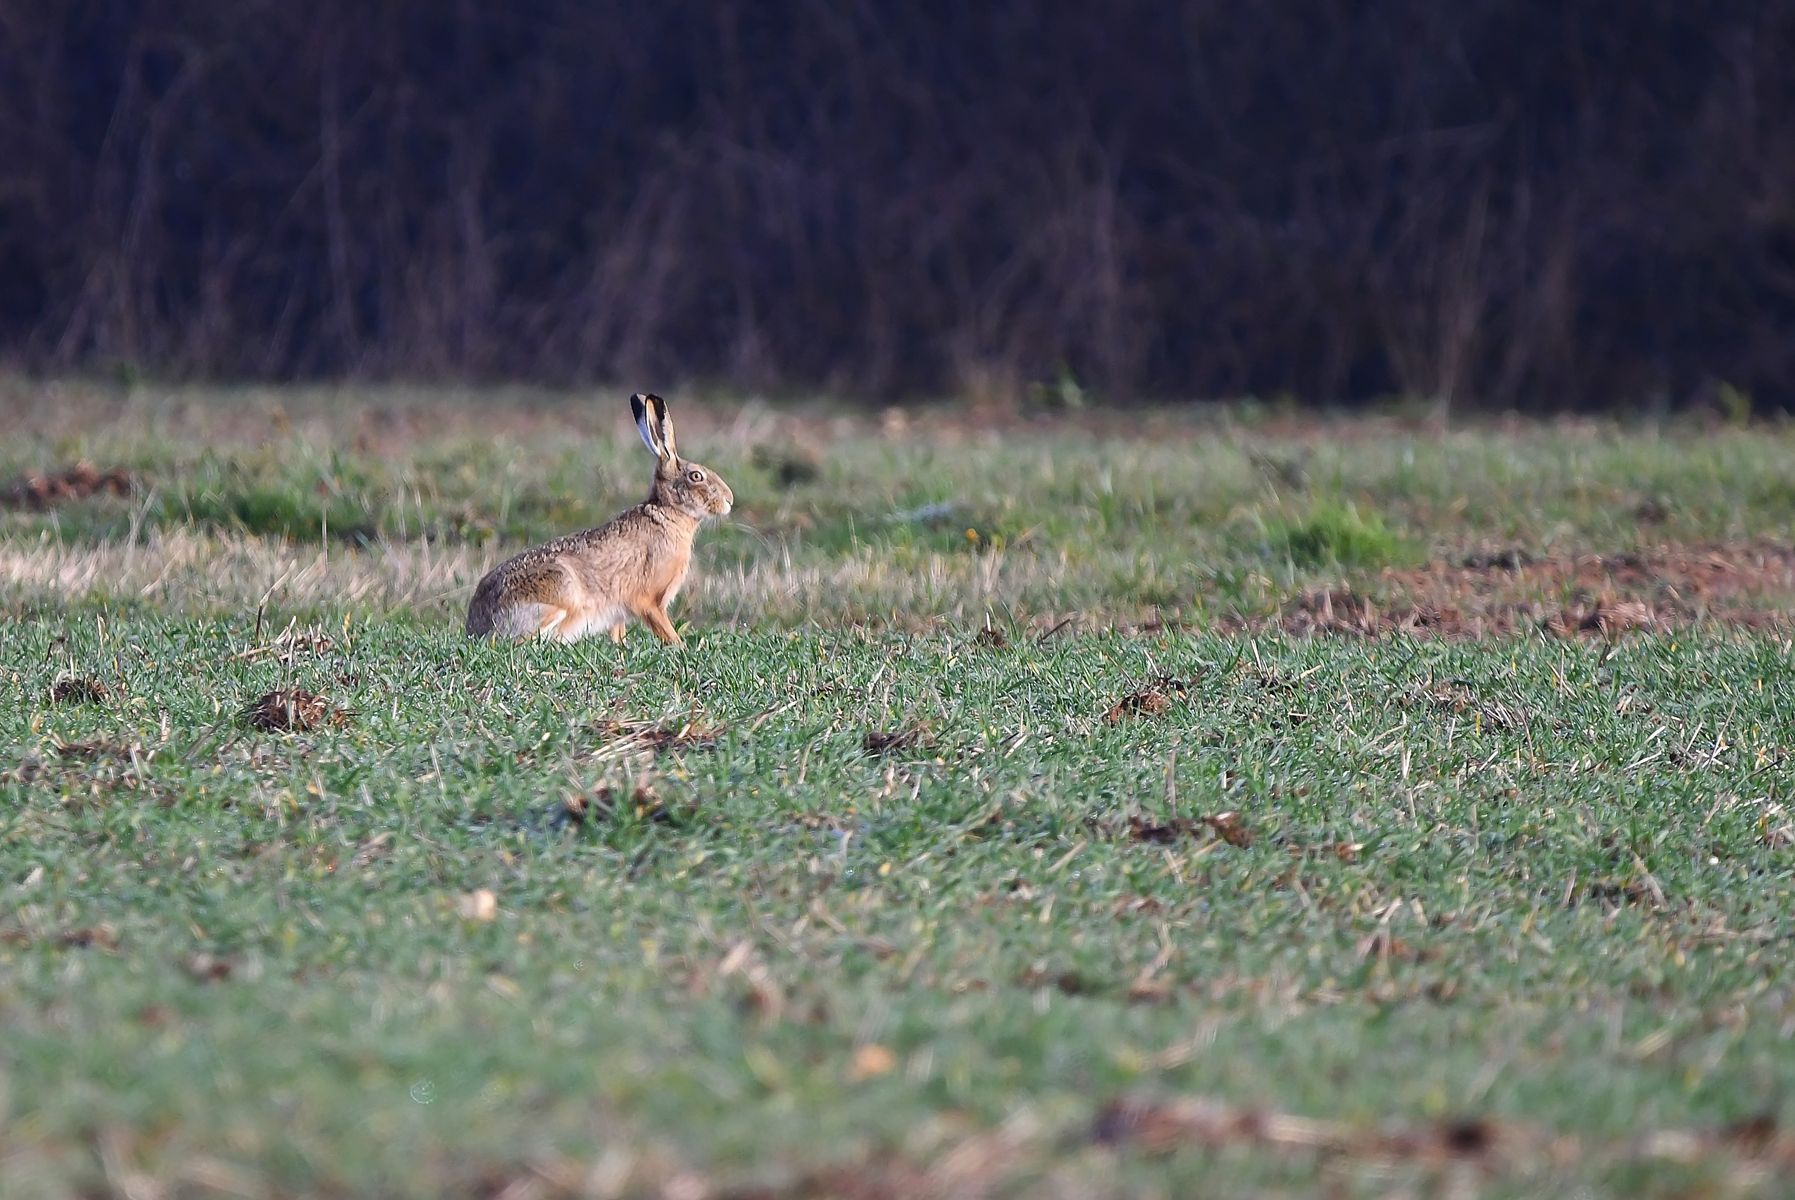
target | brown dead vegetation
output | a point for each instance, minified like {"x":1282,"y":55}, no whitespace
{"x":83,"y":937}
{"x":293,"y":710}
{"x":1459,"y":699}
{"x":1227,"y":827}
{"x":93,"y":751}
{"x":1030,"y":1156}
{"x":1162,"y":1126}
{"x":656,"y":737}
{"x":77,"y":482}
{"x":75,"y":689}
{"x":1492,"y":592}
{"x":991,"y":638}
{"x":1154,"y":700}
{"x":605,"y":802}
{"x":878,"y":743}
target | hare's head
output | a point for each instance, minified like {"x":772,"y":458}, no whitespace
{"x":679,"y":484}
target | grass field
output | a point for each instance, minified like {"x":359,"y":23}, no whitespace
{"x":1224,"y":803}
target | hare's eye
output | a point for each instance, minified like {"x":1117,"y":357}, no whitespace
{"x":695,"y":475}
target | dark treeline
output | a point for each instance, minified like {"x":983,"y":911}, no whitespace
{"x":1541,"y":203}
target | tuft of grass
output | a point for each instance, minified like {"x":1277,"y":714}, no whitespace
{"x":283,"y":511}
{"x":1335,"y":533}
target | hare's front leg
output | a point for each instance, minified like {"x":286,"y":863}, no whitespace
{"x":656,"y":619}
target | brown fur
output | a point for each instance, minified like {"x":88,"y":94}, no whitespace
{"x":631,"y":566}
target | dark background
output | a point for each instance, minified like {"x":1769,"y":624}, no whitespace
{"x":1534,"y":203}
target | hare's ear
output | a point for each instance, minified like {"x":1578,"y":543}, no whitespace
{"x":663,"y":427}
{"x":644,"y":406}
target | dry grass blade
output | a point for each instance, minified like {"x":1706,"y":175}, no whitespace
{"x":1458,"y":698}
{"x":289,"y":645}
{"x":651,"y":735}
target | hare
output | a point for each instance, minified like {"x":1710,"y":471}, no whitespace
{"x":632,"y":566}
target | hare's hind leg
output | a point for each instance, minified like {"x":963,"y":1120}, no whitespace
{"x":554,"y":624}
{"x":531,"y":620}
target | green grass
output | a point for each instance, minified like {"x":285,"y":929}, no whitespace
{"x":1334,"y":534}
{"x":1539,"y":882}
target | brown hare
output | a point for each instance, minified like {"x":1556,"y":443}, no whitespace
{"x":631,"y":566}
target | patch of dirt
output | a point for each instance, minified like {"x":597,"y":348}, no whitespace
{"x":1164,"y":1125}
{"x":1606,"y":617}
{"x":75,"y":689}
{"x":104,"y":937}
{"x":825,"y":822}
{"x":1068,"y":983}
{"x":101,"y":937}
{"x":1339,"y":850}
{"x":1506,"y":558}
{"x":1154,"y":700}
{"x":1163,"y":833}
{"x":605,"y":802}
{"x":650,"y":735}
{"x":1224,"y":826}
{"x":1505,"y":590}
{"x":78,"y":482}
{"x":294,"y":710}
{"x":1619,"y":891}
{"x":1229,"y":827}
{"x":204,"y":967}
{"x":1341,"y":611}
{"x":881,"y":742}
